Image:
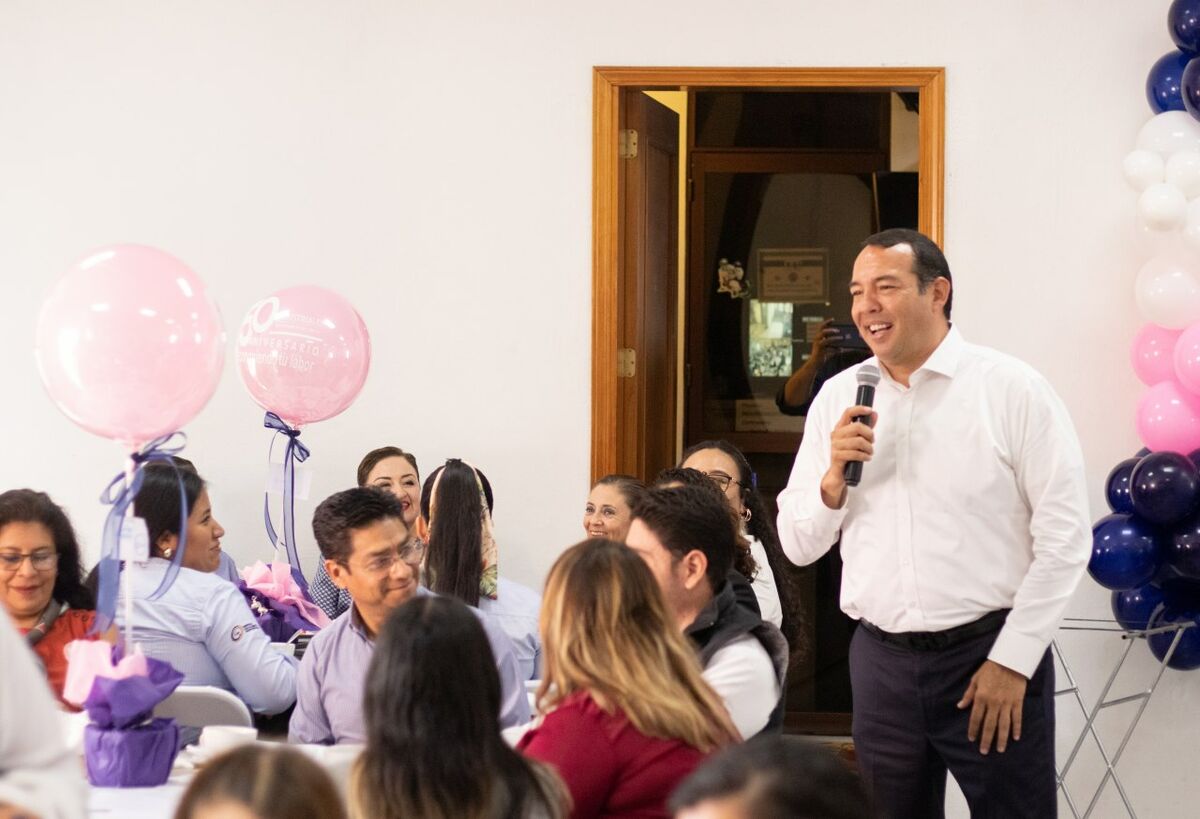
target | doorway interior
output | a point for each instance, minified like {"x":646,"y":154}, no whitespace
{"x":728,"y":205}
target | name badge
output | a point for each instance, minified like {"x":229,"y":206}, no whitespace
{"x":135,"y":540}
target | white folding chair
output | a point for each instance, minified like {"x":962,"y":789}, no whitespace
{"x":200,"y":705}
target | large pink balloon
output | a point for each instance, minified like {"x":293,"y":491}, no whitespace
{"x":1168,"y":418}
{"x":130,"y":344}
{"x":1153,"y":354}
{"x":1186,"y":359}
{"x":303,"y":353}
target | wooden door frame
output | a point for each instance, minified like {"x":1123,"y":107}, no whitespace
{"x":607,"y":85}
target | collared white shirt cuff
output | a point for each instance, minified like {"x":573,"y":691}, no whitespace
{"x":1017,"y":652}
{"x":825,"y":520}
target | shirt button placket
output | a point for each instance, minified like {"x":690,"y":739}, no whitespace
{"x":911,"y":616}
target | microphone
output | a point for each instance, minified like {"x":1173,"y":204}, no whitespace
{"x":868,"y":377}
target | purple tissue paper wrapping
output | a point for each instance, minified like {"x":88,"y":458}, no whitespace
{"x":123,"y":746}
{"x":131,"y":757}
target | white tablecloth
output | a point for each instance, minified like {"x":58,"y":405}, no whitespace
{"x":138,"y":803}
{"x":160,"y":802}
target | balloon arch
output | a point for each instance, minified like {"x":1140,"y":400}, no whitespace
{"x":1148,"y":550}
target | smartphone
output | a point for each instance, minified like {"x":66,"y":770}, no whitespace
{"x":847,"y":336}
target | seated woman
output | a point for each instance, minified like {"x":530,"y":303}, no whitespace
{"x":39,"y":774}
{"x":607,"y":513}
{"x":725,"y":465}
{"x":41,"y":579}
{"x":773,"y":776}
{"x":433,"y":742}
{"x":201,"y":625}
{"x":256,"y":782}
{"x":461,"y":558}
{"x":627,"y":714}
{"x":390,"y":468}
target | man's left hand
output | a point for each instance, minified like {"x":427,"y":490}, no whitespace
{"x":996,"y":694}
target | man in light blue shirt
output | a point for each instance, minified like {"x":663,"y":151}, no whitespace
{"x":368,"y":552}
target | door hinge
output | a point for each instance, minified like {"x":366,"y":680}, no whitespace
{"x":626,"y":362}
{"x":627,"y":144}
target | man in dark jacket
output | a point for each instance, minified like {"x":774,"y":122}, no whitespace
{"x":688,"y":539}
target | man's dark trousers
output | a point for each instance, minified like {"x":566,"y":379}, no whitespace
{"x":908,"y":731}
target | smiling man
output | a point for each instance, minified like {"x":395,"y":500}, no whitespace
{"x":962,"y":544}
{"x":368,"y":552}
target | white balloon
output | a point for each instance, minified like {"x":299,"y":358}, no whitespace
{"x":1168,"y":292}
{"x":1170,"y":132}
{"x":1162,"y":207}
{"x":1143,"y":168}
{"x":1183,"y":171}
{"x":1191,"y":225}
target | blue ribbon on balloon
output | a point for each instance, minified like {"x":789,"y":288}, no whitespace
{"x":296,"y":452}
{"x":119,"y":494}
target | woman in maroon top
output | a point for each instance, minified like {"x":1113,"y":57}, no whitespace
{"x":627,"y":715}
{"x":41,"y":579}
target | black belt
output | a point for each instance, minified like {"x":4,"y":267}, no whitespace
{"x":938,"y":640}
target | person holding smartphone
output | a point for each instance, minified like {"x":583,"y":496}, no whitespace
{"x":837,"y":347}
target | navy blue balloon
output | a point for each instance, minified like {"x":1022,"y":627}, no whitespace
{"x":1116,"y":488}
{"x":1183,"y":21}
{"x":1187,"y":654}
{"x":1164,"y":488}
{"x":1189,"y":88}
{"x":1144,"y":451}
{"x":1164,"y":82}
{"x":1136,"y":609}
{"x":1181,"y":548}
{"x":1123,"y":552}
{"x":1180,"y":593}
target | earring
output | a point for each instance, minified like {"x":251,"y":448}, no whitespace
{"x":167,"y":553}
{"x":746,"y":514}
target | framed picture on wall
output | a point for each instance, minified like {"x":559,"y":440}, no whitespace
{"x":796,"y":274}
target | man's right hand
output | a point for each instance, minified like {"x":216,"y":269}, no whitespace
{"x":850,"y":441}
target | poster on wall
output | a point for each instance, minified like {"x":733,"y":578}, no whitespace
{"x":795,"y":274}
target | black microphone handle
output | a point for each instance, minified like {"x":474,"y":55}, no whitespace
{"x":865,"y":398}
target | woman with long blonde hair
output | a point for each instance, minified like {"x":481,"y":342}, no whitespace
{"x":627,"y":714}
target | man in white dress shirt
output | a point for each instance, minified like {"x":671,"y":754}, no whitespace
{"x":962,"y":544}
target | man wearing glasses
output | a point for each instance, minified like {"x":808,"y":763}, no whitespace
{"x":370,"y":553}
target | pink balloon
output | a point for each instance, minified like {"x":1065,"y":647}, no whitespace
{"x":303,"y":353}
{"x":1168,"y":418}
{"x":130,"y":344}
{"x":1186,"y":358}
{"x":1153,"y":354}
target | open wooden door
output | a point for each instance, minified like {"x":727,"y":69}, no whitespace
{"x":647,"y":284}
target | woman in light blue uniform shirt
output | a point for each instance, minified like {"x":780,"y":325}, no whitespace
{"x":462,"y":559}
{"x":202,"y":624}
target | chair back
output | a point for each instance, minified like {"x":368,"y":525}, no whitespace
{"x":200,"y":705}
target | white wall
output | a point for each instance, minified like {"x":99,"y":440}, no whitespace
{"x":432,"y":162}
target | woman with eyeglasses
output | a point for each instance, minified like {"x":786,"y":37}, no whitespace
{"x":462,"y":559}
{"x":727,"y":467}
{"x":41,"y":578}
{"x":389,"y":468}
{"x":201,"y":624}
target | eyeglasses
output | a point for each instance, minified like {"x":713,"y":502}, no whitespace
{"x":721,"y":479}
{"x":411,"y":552}
{"x":42,"y":561}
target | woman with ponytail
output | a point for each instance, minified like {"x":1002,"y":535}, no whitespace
{"x":462,"y":559}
